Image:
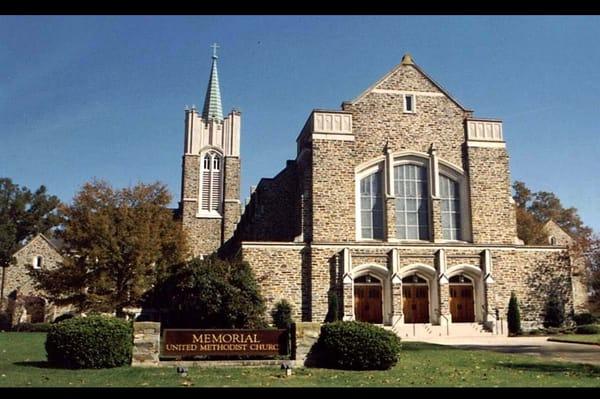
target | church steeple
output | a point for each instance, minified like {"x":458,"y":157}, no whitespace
{"x":212,"y":101}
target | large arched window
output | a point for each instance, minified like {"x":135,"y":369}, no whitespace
{"x":412,"y":202}
{"x":450,"y":201}
{"x":211,"y":183}
{"x":371,"y":206}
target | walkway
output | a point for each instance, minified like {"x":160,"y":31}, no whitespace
{"x":538,"y":346}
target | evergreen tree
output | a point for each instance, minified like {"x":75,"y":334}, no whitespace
{"x":555,"y":312}
{"x":514,"y":315}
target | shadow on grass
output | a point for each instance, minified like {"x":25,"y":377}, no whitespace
{"x":552,"y":368}
{"x":424,"y":346}
{"x":38,"y":364}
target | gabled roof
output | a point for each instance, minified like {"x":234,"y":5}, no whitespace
{"x":56,"y":244}
{"x":553,"y":228}
{"x":407,"y":60}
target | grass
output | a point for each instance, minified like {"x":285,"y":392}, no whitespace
{"x":580,"y":338}
{"x":23,"y":363}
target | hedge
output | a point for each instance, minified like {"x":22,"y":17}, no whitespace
{"x":587,"y":329}
{"x":90,"y":342}
{"x":353,"y":345}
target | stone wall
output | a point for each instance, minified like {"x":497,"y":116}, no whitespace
{"x":333,"y":191}
{"x":493,"y":217}
{"x":533,"y":276}
{"x":280,"y":275}
{"x":231,"y":196}
{"x":308,"y":276}
{"x":272,"y":213}
{"x":146,"y":344}
{"x":204,"y":235}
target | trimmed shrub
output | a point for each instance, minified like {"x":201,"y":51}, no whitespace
{"x":587,"y":329}
{"x":584,"y":318}
{"x":210,"y":293}
{"x":333,"y":313}
{"x":90,"y":342}
{"x":282,"y":314}
{"x":32,"y":327}
{"x":353,"y":345}
{"x":555,"y":312}
{"x":63,"y":317}
{"x":514,"y":315}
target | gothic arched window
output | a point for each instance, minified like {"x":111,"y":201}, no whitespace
{"x":412,"y":202}
{"x":450,"y":201}
{"x":211,"y":183}
{"x":371,"y":206}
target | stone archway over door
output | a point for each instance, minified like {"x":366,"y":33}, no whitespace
{"x":368,"y":299}
{"x":462,"y":300}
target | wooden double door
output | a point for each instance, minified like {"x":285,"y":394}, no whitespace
{"x":415,"y":303}
{"x":368,"y":303}
{"x":462,"y":304}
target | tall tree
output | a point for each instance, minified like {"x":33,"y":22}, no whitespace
{"x":118,"y":244}
{"x":529,"y":228}
{"x":533,"y":210}
{"x":23,"y":214}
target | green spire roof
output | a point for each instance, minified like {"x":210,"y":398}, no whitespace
{"x":212,"y":101}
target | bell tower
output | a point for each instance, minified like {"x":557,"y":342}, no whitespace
{"x":210,"y":180}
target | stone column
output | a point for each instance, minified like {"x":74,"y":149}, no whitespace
{"x":348,"y":298}
{"x":436,"y":220}
{"x":390,"y":201}
{"x":397,"y":315}
{"x":390,"y":218}
{"x":446,"y":316}
{"x":146,"y":343}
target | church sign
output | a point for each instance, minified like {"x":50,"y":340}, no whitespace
{"x":188,"y":342}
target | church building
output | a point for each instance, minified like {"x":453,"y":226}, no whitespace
{"x":397,"y":209}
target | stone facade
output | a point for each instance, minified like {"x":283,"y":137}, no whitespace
{"x":301,"y":231}
{"x":23,"y":300}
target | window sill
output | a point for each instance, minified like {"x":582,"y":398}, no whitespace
{"x":209,"y":215}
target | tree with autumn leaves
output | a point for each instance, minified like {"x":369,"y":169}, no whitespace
{"x":118,"y":244}
{"x":534,"y":209}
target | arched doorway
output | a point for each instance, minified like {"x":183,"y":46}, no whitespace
{"x":368,"y":304}
{"x":415,"y":299}
{"x":462,"y":303}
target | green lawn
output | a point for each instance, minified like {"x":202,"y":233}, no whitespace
{"x":583,"y":338}
{"x":22,"y":363}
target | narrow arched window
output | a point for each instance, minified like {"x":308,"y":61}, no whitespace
{"x":371,"y":207}
{"x":450,"y":201}
{"x":211,"y":183}
{"x":412,"y":202}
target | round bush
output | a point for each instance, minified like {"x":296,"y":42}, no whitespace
{"x":63,"y":317}
{"x":587,"y":329}
{"x":90,"y":342}
{"x":353,"y":345}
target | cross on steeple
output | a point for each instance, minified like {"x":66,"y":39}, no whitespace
{"x":214,"y":47}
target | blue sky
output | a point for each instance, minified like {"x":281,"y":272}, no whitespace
{"x":104,"y":96}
